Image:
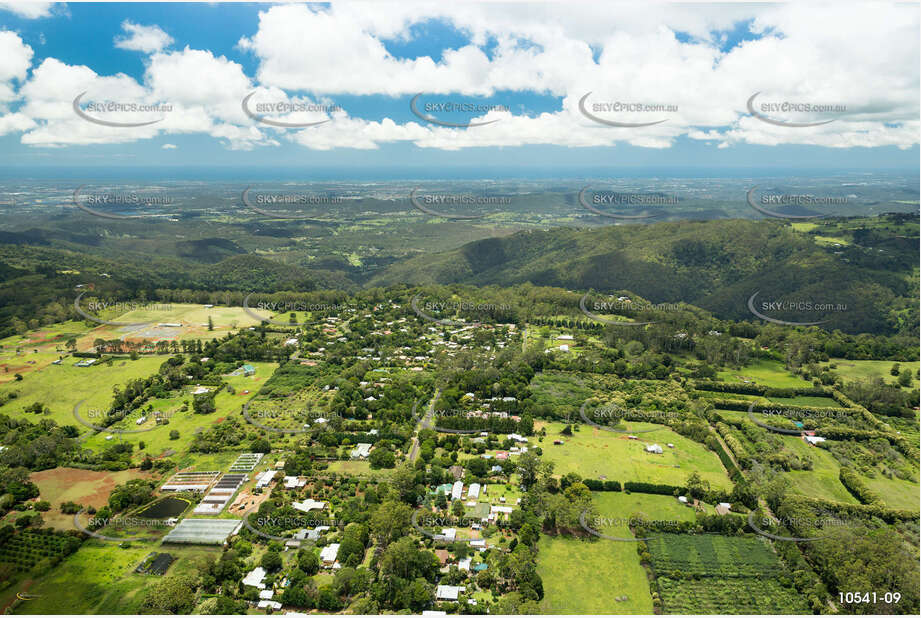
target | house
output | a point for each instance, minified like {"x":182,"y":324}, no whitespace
{"x":558,"y":442}
{"x":495,"y":470}
{"x":266,"y":604}
{"x":464,"y":565}
{"x":266,"y":594}
{"x":722,"y":508}
{"x":654,"y":448}
{"x":683,"y":499}
{"x":447,"y":534}
{"x":140,"y":421}
{"x":308,"y":505}
{"x":448,"y":593}
{"x":564,"y":348}
{"x":457,"y":490}
{"x":328,"y":554}
{"x":249,"y":370}
{"x":814,"y":440}
{"x":361,"y":450}
{"x":473,"y":491}
{"x":294,"y":482}
{"x":502,"y":455}
{"x":201,"y":390}
{"x":565,"y":338}
{"x":516,"y":437}
{"x":291,"y":341}
{"x":254,"y":578}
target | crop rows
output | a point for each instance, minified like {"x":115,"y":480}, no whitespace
{"x":707,"y":555}
{"x":746,"y":595}
{"x":26,"y":549}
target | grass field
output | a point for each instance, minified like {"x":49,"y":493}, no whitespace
{"x":86,"y":487}
{"x":99,"y":579}
{"x":895,"y":492}
{"x":192,"y":317}
{"x":764,"y":373}
{"x":61,"y":387}
{"x":36,"y":349}
{"x":593,"y":453}
{"x":584,"y":576}
{"x":804,"y":400}
{"x":822,"y":481}
{"x":616,"y":505}
{"x":869,"y":369}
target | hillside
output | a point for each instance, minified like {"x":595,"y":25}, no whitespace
{"x":716,"y":265}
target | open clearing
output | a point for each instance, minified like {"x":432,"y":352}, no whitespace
{"x":61,"y":387}
{"x":593,"y":453}
{"x":86,"y":487}
{"x":870,"y":369}
{"x":764,"y":373}
{"x":583,"y":576}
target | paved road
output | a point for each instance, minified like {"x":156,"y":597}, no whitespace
{"x":424,"y":423}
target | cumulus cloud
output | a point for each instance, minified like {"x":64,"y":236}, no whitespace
{"x":28,"y":10}
{"x":674,"y":57}
{"x":146,"y":39}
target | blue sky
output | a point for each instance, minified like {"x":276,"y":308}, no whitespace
{"x":703,"y":61}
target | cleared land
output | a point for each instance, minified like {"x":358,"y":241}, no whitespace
{"x":584,"y":576}
{"x":593,"y":453}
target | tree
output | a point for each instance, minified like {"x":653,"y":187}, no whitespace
{"x":173,"y":594}
{"x":173,"y":434}
{"x":390,"y":521}
{"x":261,"y":445}
{"x":271,"y":561}
{"x":210,"y":323}
{"x":905,"y":377}
{"x":381,"y":458}
{"x":308,"y":562}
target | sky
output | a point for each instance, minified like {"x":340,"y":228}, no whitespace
{"x":556,"y":87}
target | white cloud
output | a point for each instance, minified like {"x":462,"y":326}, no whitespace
{"x":861,"y":56}
{"x":146,"y":39}
{"x":169,"y":146}
{"x":29,"y":10}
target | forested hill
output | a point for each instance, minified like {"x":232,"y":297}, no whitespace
{"x":715,"y":264}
